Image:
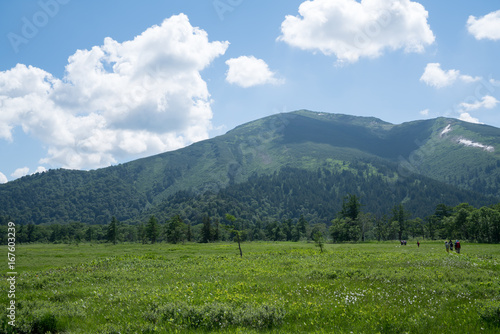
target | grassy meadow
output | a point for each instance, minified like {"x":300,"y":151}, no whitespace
{"x":278,"y":287}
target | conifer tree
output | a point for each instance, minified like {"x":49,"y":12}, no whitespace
{"x":175,"y":230}
{"x":141,"y":233}
{"x":112,"y":234}
{"x":302,"y":226}
{"x":216,"y":232}
{"x":89,"y":234}
{"x":152,"y":231}
{"x":189,"y":234}
{"x":206,"y":231}
{"x":351,"y":207}
{"x":400,"y":216}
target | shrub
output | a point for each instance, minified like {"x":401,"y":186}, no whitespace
{"x":490,"y":313}
{"x":216,"y":316}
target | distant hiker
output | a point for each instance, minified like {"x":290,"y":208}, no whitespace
{"x":447,"y":245}
{"x":418,"y":244}
{"x":401,"y":241}
{"x":405,"y":242}
{"x":451,"y":245}
{"x":457,"y":246}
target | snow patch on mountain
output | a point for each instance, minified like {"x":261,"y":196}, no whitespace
{"x":446,"y":130}
{"x":470,"y":143}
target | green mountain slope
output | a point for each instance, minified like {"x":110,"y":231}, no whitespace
{"x":463,"y":156}
{"x":317,"y":195}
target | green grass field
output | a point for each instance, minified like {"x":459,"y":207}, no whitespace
{"x":276,"y":287}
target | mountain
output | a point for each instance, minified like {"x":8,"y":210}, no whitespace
{"x":326,"y":156}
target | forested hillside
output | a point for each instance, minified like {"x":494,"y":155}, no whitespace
{"x":317,"y":196}
{"x":65,"y":196}
{"x":285,"y":165}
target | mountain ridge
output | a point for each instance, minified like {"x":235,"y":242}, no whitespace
{"x":441,"y":149}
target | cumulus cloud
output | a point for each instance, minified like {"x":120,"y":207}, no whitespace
{"x":486,"y":27}
{"x":20,"y":172}
{"x":40,"y":169}
{"x":466,"y":117}
{"x":350,"y":29}
{"x":436,"y":77}
{"x":117,"y":100}
{"x":487,"y":102}
{"x":424,"y":112}
{"x":249,"y":71}
{"x":3,"y":178}
{"x":495,"y":82}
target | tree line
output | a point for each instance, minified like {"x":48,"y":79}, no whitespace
{"x":351,"y":224}
{"x":460,"y":222}
{"x":60,"y":196}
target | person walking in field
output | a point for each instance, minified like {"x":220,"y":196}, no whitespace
{"x":447,"y":245}
{"x":418,"y":244}
{"x":451,"y":245}
{"x":457,"y":246}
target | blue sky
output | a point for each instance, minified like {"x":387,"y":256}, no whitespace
{"x":88,"y":84}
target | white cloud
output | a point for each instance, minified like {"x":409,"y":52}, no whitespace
{"x":469,"y":79}
{"x":486,"y":27}
{"x":466,"y":117}
{"x":350,"y":29}
{"x":20,"y":172}
{"x":3,"y":178}
{"x":436,"y":77}
{"x":117,"y":100}
{"x":40,"y":169}
{"x":424,"y":112}
{"x":487,"y":102}
{"x":249,"y":71}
